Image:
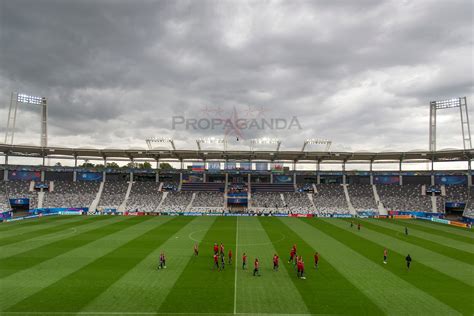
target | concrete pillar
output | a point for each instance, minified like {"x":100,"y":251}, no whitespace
{"x":294,"y":178}
{"x":271,"y":177}
{"x":469,"y":177}
{"x":104,"y":173}
{"x":318,"y":168}
{"x":180,"y":177}
{"x":370,"y":172}
{"x":400,"y":176}
{"x":344,"y":172}
{"x":42,"y":175}
{"x":5,"y":172}
{"x":249,"y":178}
{"x":74,"y":173}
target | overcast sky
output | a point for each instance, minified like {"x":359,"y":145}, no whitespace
{"x":360,"y":73}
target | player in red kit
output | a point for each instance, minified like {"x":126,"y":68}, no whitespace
{"x":230,"y":256}
{"x":316,"y":260}
{"x":294,"y":248}
{"x":244,"y":261}
{"x":276,"y":263}
{"x":301,"y":268}
{"x":216,"y":249}
{"x":162,"y":261}
{"x":292,"y":255}
{"x":222,"y":250}
{"x":216,"y":262}
{"x":256,"y":268}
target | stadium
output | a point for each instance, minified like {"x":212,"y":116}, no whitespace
{"x":227,"y":212}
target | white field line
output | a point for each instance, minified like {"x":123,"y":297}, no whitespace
{"x":135,"y":313}
{"x":236,"y":263}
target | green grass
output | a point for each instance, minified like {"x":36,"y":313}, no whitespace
{"x":93,"y":265}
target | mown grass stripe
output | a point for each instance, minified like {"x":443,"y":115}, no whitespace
{"x":459,"y":255}
{"x":460,"y":231}
{"x":35,"y":256}
{"x":443,"y":264}
{"x":411,"y":224}
{"x":19,"y":286}
{"x":27,"y":245}
{"x":273,"y":292}
{"x":318,"y":290}
{"x":33,"y":223}
{"x":390,"y":293}
{"x":152,"y":285}
{"x":99,"y":275}
{"x":432,"y":237}
{"x":442,"y":287}
{"x":210,"y":291}
{"x":44,"y":231}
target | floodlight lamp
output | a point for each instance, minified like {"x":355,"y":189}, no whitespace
{"x":24,"y":98}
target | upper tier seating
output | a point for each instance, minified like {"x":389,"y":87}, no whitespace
{"x":272,"y":187}
{"x":207,"y":187}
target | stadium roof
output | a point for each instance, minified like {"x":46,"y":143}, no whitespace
{"x":64,"y":152}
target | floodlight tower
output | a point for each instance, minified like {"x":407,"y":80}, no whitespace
{"x":317,"y":141}
{"x":20,"y":98}
{"x":460,"y":103}
{"x":265,"y":140}
{"x":211,"y":140}
{"x":150,"y":140}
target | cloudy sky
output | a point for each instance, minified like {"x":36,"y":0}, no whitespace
{"x":360,"y":73}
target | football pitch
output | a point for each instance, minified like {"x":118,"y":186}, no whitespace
{"x":107,"y":265}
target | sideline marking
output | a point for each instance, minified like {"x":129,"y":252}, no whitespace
{"x":236,"y":260}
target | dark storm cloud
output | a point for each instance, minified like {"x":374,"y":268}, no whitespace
{"x":358,"y":72}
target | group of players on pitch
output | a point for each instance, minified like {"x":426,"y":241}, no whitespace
{"x":220,"y":261}
{"x":219,"y":258}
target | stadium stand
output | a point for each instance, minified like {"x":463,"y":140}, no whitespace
{"x":144,"y":197}
{"x":4,"y":204}
{"x":209,"y":199}
{"x":298,"y":202}
{"x":406,"y":197}
{"x":362,"y":197}
{"x":177,"y":201}
{"x":21,"y":189}
{"x":469,"y":210}
{"x":113,"y":194}
{"x":71,"y":194}
{"x":330,"y":199}
{"x":267,"y":200}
